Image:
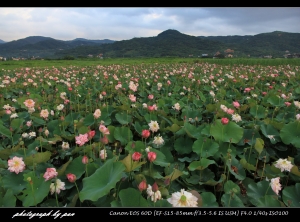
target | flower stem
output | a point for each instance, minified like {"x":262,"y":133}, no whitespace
{"x":78,"y":192}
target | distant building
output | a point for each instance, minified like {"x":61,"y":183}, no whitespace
{"x":204,"y":55}
{"x":90,"y":56}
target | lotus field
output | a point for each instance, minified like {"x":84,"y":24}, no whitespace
{"x":150,"y":135}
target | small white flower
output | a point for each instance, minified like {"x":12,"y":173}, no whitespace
{"x":65,"y":146}
{"x":271,"y":137}
{"x":12,"y":116}
{"x":176,"y":106}
{"x":153,"y":125}
{"x":57,"y":187}
{"x":158,"y":140}
{"x":236,"y":118}
{"x":284,"y":165}
{"x":6,"y":106}
{"x":32,"y":134}
{"x":60,"y":107}
{"x":25,"y":135}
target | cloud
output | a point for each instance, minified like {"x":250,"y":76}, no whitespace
{"x":127,"y":23}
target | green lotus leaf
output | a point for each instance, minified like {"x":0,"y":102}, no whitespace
{"x":123,"y":134}
{"x":258,"y":112}
{"x":15,"y":182}
{"x":290,"y":134}
{"x":174,"y":175}
{"x":76,"y":167}
{"x":231,"y":200}
{"x":259,"y":145}
{"x":205,"y":147}
{"x":110,"y":136}
{"x":37,"y":158}
{"x":231,"y":187}
{"x":131,"y":197}
{"x":268,"y":201}
{"x":53,"y":127}
{"x":212,"y":182}
{"x":36,"y":192}
{"x":102,"y":181}
{"x":123,"y":118}
{"x":291,"y":195}
{"x":249,"y":137}
{"x":16,"y":124}
{"x":257,"y":190}
{"x":8,"y":200}
{"x":270,"y":132}
{"x":275,"y":101}
{"x":36,"y":121}
{"x":183,"y":145}
{"x":174,"y":128}
{"x":138,"y":127}
{"x":192,"y":130}
{"x":236,"y":169}
{"x":135,"y":146}
{"x":226,"y":133}
{"x":200,"y":165}
{"x":4,"y":131}
{"x":61,"y":171}
{"x":246,"y":165}
{"x":89,"y":120}
{"x":160,"y":158}
{"x":209,"y":200}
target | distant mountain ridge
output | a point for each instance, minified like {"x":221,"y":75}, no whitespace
{"x":167,"y":43}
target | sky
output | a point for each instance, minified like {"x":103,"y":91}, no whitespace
{"x":96,"y":23}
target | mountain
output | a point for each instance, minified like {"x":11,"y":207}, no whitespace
{"x":43,"y":46}
{"x":274,"y":43}
{"x":1,"y":41}
{"x":167,"y":43}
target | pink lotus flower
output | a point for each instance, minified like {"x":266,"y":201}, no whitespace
{"x":224,"y":121}
{"x":236,"y":104}
{"x":143,"y":185}
{"x":151,"y":108}
{"x":145,"y":134}
{"x":85,"y":160}
{"x":132,"y":98}
{"x":91,"y":134}
{"x":230,"y":111}
{"x":50,"y":173}
{"x":103,"y":129}
{"x":44,"y":113}
{"x":104,"y":140}
{"x":16,"y":164}
{"x":71,"y":177}
{"x":136,"y":156}
{"x":246,"y":90}
{"x":287,"y":103}
{"x":151,"y":156}
{"x":81,"y":139}
{"x":29,"y":103}
{"x":150,"y":96}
